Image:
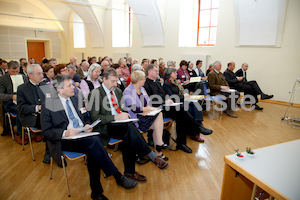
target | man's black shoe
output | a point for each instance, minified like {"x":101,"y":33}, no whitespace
{"x":47,"y":157}
{"x":257,"y":107}
{"x":127,"y":183}
{"x":184,"y":148}
{"x":205,"y":131}
{"x":265,"y":96}
{"x":98,"y":197}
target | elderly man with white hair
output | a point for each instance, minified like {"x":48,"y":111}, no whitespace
{"x":83,"y":70}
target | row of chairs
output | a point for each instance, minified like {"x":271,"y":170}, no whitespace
{"x":65,"y":154}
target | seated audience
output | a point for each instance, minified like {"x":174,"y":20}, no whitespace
{"x":162,"y":69}
{"x":53,"y":62}
{"x":172,"y":87}
{"x":253,"y":84}
{"x":30,"y":98}
{"x":171,"y":63}
{"x":31,"y":60}
{"x":44,"y":62}
{"x":48,"y":73}
{"x":23,"y":65}
{"x":185,"y":123}
{"x":154,"y":62}
{"x":199,"y":71}
{"x":210,"y":68}
{"x":191,"y":70}
{"x":182,"y":73}
{"x":3,"y":67}
{"x":63,"y":69}
{"x":217,"y":83}
{"x":144,"y":64}
{"x":137,"y":103}
{"x":83,"y":70}
{"x":73,"y":61}
{"x":63,"y":123}
{"x":72,"y":72}
{"x":109,"y":100}
{"x":104,"y":66}
{"x":8,"y":94}
{"x":124,"y":69}
{"x":121,"y":84}
{"x":91,"y":81}
{"x":134,"y":68}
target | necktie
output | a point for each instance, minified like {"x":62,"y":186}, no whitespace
{"x":245,"y":79}
{"x":72,"y":116}
{"x":114,"y":102}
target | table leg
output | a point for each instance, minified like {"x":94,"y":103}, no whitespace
{"x":253,"y":191}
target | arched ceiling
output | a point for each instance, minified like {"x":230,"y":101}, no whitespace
{"x":32,"y":14}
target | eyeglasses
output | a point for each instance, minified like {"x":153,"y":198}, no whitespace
{"x":64,"y":69}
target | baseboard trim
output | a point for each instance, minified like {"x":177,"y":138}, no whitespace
{"x":280,"y":102}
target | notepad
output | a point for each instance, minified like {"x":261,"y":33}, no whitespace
{"x":195,"y":79}
{"x":152,"y":112}
{"x":82,"y":129}
{"x":194,"y":98}
{"x":173,"y":104}
{"x":80,"y":135}
{"x":229,"y":91}
{"x":16,"y":80}
{"x":124,"y":121}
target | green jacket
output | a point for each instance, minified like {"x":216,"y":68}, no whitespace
{"x":98,"y":101}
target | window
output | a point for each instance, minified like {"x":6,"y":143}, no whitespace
{"x":78,"y":32}
{"x":207,"y":22}
{"x":121,"y":24}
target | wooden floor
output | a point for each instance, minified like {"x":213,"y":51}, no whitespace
{"x":190,"y":176}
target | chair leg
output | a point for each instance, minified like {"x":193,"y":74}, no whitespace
{"x":10,"y":126}
{"x":30,"y":142}
{"x":23,"y":135}
{"x":63,"y":164}
{"x":51,"y":167}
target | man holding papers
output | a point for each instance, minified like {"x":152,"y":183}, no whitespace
{"x":218,"y":85}
{"x":8,"y":93}
{"x":185,"y":123}
{"x":106,"y":105}
{"x":239,"y":83}
{"x":61,"y":116}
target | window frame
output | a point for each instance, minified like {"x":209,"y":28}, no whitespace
{"x":209,"y":26}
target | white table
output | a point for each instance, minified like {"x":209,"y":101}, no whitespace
{"x":275,"y":169}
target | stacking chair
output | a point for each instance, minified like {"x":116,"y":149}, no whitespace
{"x":9,"y":115}
{"x":70,"y":156}
{"x":213,"y":99}
{"x":115,"y":142}
{"x":28,"y":131}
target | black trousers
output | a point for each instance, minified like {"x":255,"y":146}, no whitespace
{"x":97,"y":159}
{"x":185,"y":124}
{"x":229,"y":100}
{"x":133,"y":143}
{"x":250,"y":87}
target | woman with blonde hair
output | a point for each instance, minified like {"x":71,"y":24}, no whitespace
{"x":137,"y":102}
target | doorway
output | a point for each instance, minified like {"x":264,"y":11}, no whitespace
{"x":36,"y":50}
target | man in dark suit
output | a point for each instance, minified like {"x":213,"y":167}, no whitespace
{"x":8,"y":93}
{"x":238,"y":83}
{"x":61,"y":115}
{"x":106,"y":104}
{"x":218,"y":86}
{"x":23,"y":64}
{"x":185,"y":123}
{"x":30,"y":98}
{"x":3,"y":67}
{"x":250,"y":85}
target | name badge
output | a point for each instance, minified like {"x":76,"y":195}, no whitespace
{"x":183,"y":76}
{"x":83,"y":110}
